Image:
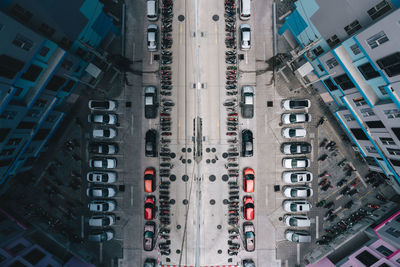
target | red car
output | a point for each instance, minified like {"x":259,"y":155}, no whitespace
{"x":149,"y":208}
{"x":149,"y":180}
{"x":248,"y":208}
{"x":248,"y":180}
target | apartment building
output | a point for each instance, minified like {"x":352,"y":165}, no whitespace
{"x":352,"y":48}
{"x":43,"y":55}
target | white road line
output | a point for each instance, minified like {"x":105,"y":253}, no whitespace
{"x":132,"y":124}
{"x":131,"y":195}
{"x":336,"y":210}
{"x":101,"y":252}
{"x":247,"y":58}
{"x":316,"y":227}
{"x":82,"y":226}
{"x":151,"y":58}
{"x":339,"y":196}
{"x":298,"y":254}
{"x":287,"y":263}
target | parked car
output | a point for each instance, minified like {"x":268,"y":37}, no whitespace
{"x":150,"y":102}
{"x":149,"y":236}
{"x":294,"y":132}
{"x":297,"y":205}
{"x":247,"y":103}
{"x":248,"y":180}
{"x":151,"y":143}
{"x":296,"y":220}
{"x":295,"y":104}
{"x":103,"y":148}
{"x":297,"y":191}
{"x":102,"y":105}
{"x":248,"y":208}
{"x":100,"y":191}
{"x":104,"y":163}
{"x":105,"y":177}
{"x":298,"y":236}
{"x":297,"y":177}
{"x":245,"y":9}
{"x":152,"y":37}
{"x":149,"y":180}
{"x":102,"y":205}
{"x":294,"y":163}
{"x":249,"y":236}
{"x":106,"y":133}
{"x":101,"y":236}
{"x":247,"y":143}
{"x":295,"y":148}
{"x":291,"y":118}
{"x":248,"y":263}
{"x":150,"y":263}
{"x":110,"y":119}
{"x":102,"y":220}
{"x":149,"y":207}
{"x":152,"y":10}
{"x":245,"y":36}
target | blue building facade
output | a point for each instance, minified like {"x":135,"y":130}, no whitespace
{"x":41,"y":59}
{"x":353,"y":48}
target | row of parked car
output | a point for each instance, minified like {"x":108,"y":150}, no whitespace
{"x":101,"y":179}
{"x":297,"y":191}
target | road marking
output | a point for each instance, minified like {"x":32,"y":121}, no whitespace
{"x":316,"y":227}
{"x":339,"y":197}
{"x":179,"y":128}
{"x":246,"y":57}
{"x":298,"y":254}
{"x":151,"y":58}
{"x":131,"y":195}
{"x":287,"y":263}
{"x":180,"y":34}
{"x":101,"y":252}
{"x":336,"y":210}
{"x":82,"y":226}
{"x":216,"y":33}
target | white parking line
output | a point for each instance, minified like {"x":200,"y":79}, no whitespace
{"x":82,"y":226}
{"x":316,"y":227}
{"x":132,"y":124}
{"x":246,"y":57}
{"x":336,"y":210}
{"x":298,"y":254}
{"x":339,"y":196}
{"x":151,"y":58}
{"x":131,"y":195}
{"x":286,"y":263}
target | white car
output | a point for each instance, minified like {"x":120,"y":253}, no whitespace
{"x":292,"y":163}
{"x":103,"y":105}
{"x":152,"y":38}
{"x":245,"y":36}
{"x":105,"y":163}
{"x":297,"y":191}
{"x":101,"y":236}
{"x":107,"y":133}
{"x":296,"y":220}
{"x":296,"y":205}
{"x":296,"y":104}
{"x":245,"y":9}
{"x":101,"y":220}
{"x":291,"y":118}
{"x":297,"y":177}
{"x":103,"y":118}
{"x":101,"y":177}
{"x":102,"y":205}
{"x":298,"y":236}
{"x":152,"y":10}
{"x":294,"y":132}
{"x":101,"y":192}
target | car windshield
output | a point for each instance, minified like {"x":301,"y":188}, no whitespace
{"x":293,"y":222}
{"x":292,"y":118}
{"x":294,"y":163}
{"x":292,"y":132}
{"x":249,"y":177}
{"x":293,"y":148}
{"x":105,"y":206}
{"x":293,"y":193}
{"x":106,"y":133}
{"x":295,"y":238}
{"x":148,"y":234}
{"x":249,"y":205}
{"x":298,"y":103}
{"x":293,"y":207}
{"x":293,"y":178}
{"x":103,"y":237}
{"x":100,"y":104}
{"x":148,"y":177}
{"x":106,"y":118}
{"x":249,"y":235}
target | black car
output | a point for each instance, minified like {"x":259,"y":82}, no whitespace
{"x":150,"y":102}
{"x":294,"y":148}
{"x":150,"y":263}
{"x":151,"y":143}
{"x":248,"y":263}
{"x":247,"y":143}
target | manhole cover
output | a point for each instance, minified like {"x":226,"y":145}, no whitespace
{"x":183,"y":160}
{"x":173,"y":155}
{"x":172,"y":201}
{"x":215,"y":18}
{"x":189,"y":150}
{"x":225,"y":201}
{"x":213,"y":161}
{"x":183,"y":149}
{"x":212,"y":178}
{"x":208,"y":161}
{"x":172,"y":177}
{"x":219,"y":251}
{"x":185,"y":202}
{"x":181,"y":18}
{"x":224,"y":155}
{"x":212,"y":201}
{"x":189,"y":161}
{"x":208,"y":150}
{"x":219,"y":226}
{"x":178,"y":251}
{"x":178,"y":226}
{"x":185,"y":178}
{"x":225,"y":177}
{"x":213,"y":149}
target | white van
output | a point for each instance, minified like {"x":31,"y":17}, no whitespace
{"x":152,"y":10}
{"x":245,"y":7}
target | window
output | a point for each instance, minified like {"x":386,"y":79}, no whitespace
{"x":394,"y":152}
{"x":46,"y":30}
{"x":41,"y":134}
{"x":367,"y":112}
{"x":392,"y":113}
{"x":65,"y":43}
{"x":352,"y":27}
{"x":366,"y":258}
{"x":40,"y":103}
{"x":34,"y":256}
{"x":68,"y":86}
{"x":355,"y":49}
{"x":20,"y":13}
{"x":359,"y":134}
{"x":32,"y":73}
{"x":344,"y":82}
{"x":393,"y":232}
{"x":320,"y":68}
{"x":395,"y":163}
{"x":375,"y":124}
{"x":19,"y":91}
{"x":387,"y":141}
{"x":371,"y":149}
{"x":17,"y":248}
{"x":14,"y":141}
{"x":5,"y":162}
{"x":368,"y":71}
{"x":44,"y":51}
{"x":22,"y":42}
{"x":17,"y":263}
{"x":34,"y":113}
{"x":377,"y":39}
{"x":396,"y":131}
{"x":80,"y":52}
{"x":4,"y":133}
{"x":333,"y":41}
{"x":390,"y":64}
{"x":331,"y":63}
{"x":382,"y":90}
{"x":8,"y":115}
{"x":348,"y":117}
{"x":9,"y":66}
{"x":7,"y":152}
{"x":379,"y":10}
{"x":67,"y":64}
{"x":55,"y":83}
{"x":78,"y":69}
{"x":318,"y":51}
{"x":26,"y":125}
{"x":330,"y":85}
